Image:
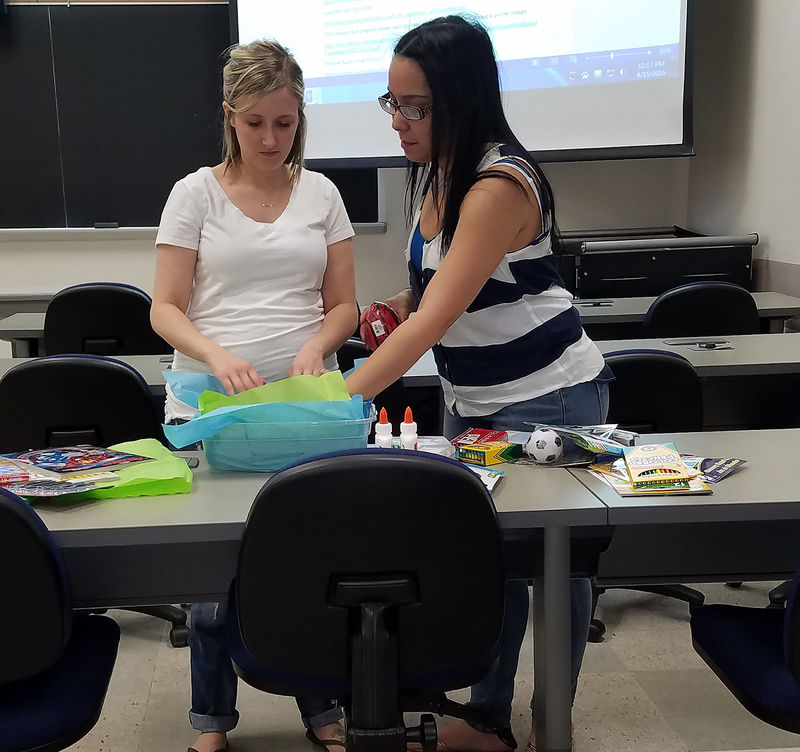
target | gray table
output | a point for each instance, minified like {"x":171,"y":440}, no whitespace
{"x":152,"y":367}
{"x":182,"y":548}
{"x":746,"y":530}
{"x":774,"y":307}
{"x":18,"y":299}
{"x":753,"y":385}
{"x":601,"y":317}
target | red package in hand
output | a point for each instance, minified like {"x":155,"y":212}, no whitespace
{"x":381,"y":321}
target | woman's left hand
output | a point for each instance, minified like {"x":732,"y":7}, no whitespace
{"x":308,"y":361}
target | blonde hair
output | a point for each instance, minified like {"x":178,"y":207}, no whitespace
{"x":253,"y":70}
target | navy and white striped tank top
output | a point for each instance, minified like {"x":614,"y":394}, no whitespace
{"x":521,"y":337}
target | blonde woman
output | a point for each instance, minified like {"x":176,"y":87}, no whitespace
{"x":254,"y":283}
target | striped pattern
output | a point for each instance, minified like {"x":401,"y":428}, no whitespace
{"x":520,"y":338}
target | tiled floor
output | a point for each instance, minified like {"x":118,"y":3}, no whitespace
{"x":642,"y":690}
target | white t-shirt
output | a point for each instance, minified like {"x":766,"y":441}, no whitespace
{"x":257,"y":285}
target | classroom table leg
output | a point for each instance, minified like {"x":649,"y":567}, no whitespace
{"x":551,"y":651}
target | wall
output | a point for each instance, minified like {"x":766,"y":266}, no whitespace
{"x":643,"y":193}
{"x":747,"y":117}
{"x":742,"y":179}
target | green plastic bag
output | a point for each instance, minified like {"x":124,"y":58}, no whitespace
{"x":166,"y":474}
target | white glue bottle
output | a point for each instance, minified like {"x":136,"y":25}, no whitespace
{"x":383,"y":431}
{"x":408,"y":431}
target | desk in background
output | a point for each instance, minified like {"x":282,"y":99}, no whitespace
{"x":606,"y":319}
{"x":754,"y":385}
{"x":17,"y":299}
{"x":621,"y":319}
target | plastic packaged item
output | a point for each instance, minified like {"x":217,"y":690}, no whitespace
{"x":383,"y":431}
{"x":381,"y":321}
{"x":408,"y":431}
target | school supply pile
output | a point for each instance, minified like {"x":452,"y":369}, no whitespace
{"x":133,"y":468}
{"x":272,"y":426}
{"x":660,"y":469}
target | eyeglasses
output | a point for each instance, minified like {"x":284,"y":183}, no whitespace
{"x":408,"y":111}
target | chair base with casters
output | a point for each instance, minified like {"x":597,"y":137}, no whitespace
{"x":374,"y":617}
{"x":179,"y":631}
{"x":55,"y":666}
{"x":691,"y":596}
{"x":779,"y":594}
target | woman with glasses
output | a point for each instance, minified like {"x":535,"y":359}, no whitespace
{"x":485,"y":294}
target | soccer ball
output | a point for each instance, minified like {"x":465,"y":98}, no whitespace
{"x":544,"y":446}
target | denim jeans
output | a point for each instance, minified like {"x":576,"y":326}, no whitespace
{"x":582,"y":404}
{"x":214,"y":680}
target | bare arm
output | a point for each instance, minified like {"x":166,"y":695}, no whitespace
{"x":339,"y":303}
{"x":172,"y":290}
{"x":494,"y":214}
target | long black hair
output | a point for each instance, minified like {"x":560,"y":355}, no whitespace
{"x":457,"y":58}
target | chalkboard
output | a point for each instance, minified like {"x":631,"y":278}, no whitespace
{"x":106,"y":106}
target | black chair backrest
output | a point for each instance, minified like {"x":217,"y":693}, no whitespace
{"x":36,"y":599}
{"x":63,"y":400}
{"x":654,"y":391}
{"x":702,"y":309}
{"x":322,"y":528}
{"x":101,"y":318}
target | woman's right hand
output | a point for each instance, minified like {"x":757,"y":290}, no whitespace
{"x":234,"y":373}
{"x":402,"y":304}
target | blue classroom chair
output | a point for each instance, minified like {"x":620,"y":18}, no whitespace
{"x":55,"y":665}
{"x":756,"y":654}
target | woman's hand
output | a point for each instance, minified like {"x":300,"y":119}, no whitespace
{"x":402,"y":304}
{"x":308,"y":361}
{"x":234,"y":373}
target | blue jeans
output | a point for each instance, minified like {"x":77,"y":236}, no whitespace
{"x":582,"y":404}
{"x":214,"y":680}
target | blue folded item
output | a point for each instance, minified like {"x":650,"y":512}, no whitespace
{"x":187,"y":387}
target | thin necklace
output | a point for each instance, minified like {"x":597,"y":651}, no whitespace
{"x":264,"y":203}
